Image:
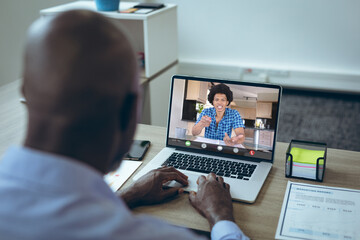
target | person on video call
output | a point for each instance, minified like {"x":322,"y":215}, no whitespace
{"x":219,"y":121}
{"x":81,"y":86}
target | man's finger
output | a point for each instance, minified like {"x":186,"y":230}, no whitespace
{"x":192,"y":197}
{"x":220,"y":180}
{"x":172,"y":169}
{"x":169,"y":176}
{"x":211,"y":176}
{"x":238,"y":137}
{"x":200,"y":179}
{"x":227,"y":139}
{"x":170,"y":192}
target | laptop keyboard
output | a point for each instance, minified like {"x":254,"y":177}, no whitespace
{"x":207,"y":165}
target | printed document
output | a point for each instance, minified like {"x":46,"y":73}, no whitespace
{"x":319,"y":212}
{"x":118,"y":177}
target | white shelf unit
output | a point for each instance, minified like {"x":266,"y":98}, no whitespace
{"x":154,"y":34}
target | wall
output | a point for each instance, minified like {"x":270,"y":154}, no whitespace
{"x":321,"y":35}
{"x":15,"y":17}
{"x":312,"y":40}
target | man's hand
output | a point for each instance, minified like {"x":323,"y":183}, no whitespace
{"x":149,"y":188}
{"x":212,"y":199}
{"x":234,"y":140}
{"x":205,"y":121}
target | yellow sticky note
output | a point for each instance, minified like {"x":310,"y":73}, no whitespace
{"x":307,"y":156}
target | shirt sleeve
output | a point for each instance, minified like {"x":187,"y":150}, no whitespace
{"x":227,"y":230}
{"x":238,"y":122}
{"x":200,"y":116}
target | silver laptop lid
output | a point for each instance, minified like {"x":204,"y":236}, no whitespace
{"x":253,"y":109}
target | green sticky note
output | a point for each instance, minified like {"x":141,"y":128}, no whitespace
{"x":307,"y":156}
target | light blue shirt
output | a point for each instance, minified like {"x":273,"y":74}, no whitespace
{"x":47,"y":196}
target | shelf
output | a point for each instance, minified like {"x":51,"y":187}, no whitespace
{"x":263,"y":109}
{"x":154,"y":34}
{"x":90,"y":5}
{"x":197,"y":91}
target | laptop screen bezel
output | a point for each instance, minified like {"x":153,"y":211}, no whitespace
{"x":200,"y":151}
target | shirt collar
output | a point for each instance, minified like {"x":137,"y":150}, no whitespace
{"x":213,"y":111}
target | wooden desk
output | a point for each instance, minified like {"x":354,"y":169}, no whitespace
{"x":258,"y":220}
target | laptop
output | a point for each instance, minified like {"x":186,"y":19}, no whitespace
{"x":245,"y":164}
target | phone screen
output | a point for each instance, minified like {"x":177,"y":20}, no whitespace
{"x":138,"y":150}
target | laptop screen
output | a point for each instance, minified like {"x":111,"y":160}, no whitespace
{"x":226,"y":118}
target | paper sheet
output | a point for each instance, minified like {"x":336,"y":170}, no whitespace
{"x":304,"y":170}
{"x":118,"y":177}
{"x":319,"y":212}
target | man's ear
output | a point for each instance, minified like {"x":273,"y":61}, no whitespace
{"x":128,"y":111}
{"x":126,"y":126}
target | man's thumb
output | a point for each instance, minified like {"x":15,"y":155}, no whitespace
{"x":192,"y":196}
{"x":171,"y":192}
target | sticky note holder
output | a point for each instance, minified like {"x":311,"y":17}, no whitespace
{"x":306,"y":160}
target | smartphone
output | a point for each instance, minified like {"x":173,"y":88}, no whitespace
{"x":138,"y":150}
{"x":150,"y":5}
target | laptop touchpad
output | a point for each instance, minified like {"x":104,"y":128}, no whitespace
{"x":192,"y":178}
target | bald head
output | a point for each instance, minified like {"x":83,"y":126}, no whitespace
{"x":80,"y":83}
{"x":78,"y":51}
